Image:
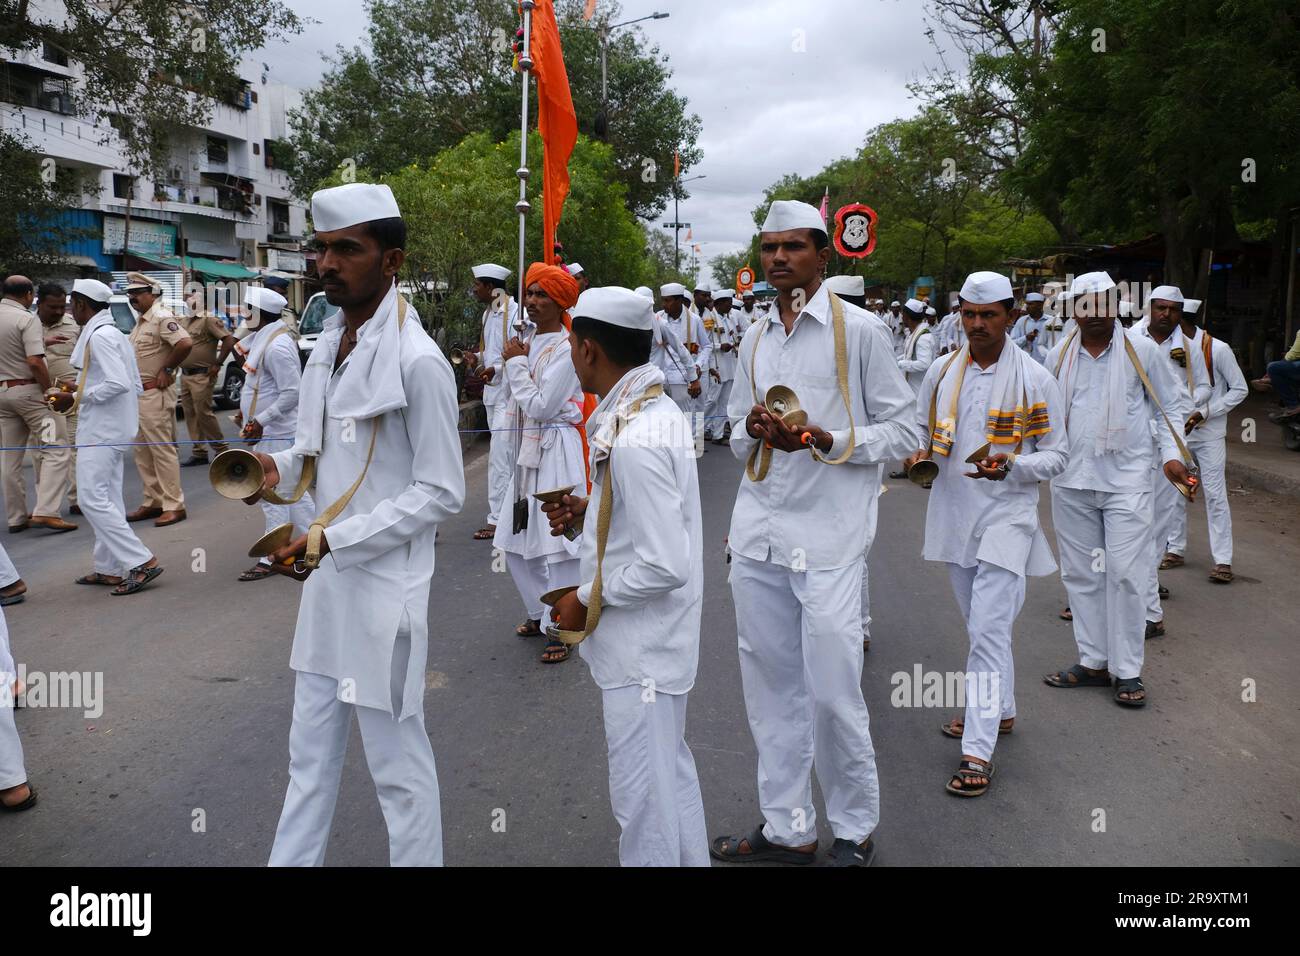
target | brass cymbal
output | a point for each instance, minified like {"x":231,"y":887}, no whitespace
{"x":553,"y":497}
{"x":552,"y":598}
{"x":272,"y":541}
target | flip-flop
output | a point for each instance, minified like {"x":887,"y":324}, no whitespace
{"x":98,"y":579}
{"x":727,"y":849}
{"x":131,"y":585}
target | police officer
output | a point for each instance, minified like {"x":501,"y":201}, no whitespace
{"x":61,"y":333}
{"x":161,"y":345}
{"x":212,"y":343}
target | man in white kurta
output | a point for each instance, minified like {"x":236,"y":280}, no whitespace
{"x":1101,"y":503}
{"x":982,"y":519}
{"x":500,"y":314}
{"x":268,"y":403}
{"x":723,"y":341}
{"x":797,"y":537}
{"x":1030,"y":331}
{"x":107,"y":410}
{"x":748,"y":312}
{"x":643,"y":634}
{"x":1219,"y":387}
{"x":689,"y":329}
{"x":918,"y":345}
{"x":666,"y":349}
{"x":545,"y":408}
{"x":361,"y":643}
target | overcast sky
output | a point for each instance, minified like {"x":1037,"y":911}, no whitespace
{"x":738,"y":64}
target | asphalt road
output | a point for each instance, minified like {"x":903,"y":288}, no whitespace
{"x":187,"y":764}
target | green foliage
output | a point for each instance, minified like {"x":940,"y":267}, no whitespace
{"x":438,"y":70}
{"x":29,"y":243}
{"x":150,"y":65}
{"x":940,"y":211}
{"x":459,"y":209}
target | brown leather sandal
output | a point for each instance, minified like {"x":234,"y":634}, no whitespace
{"x":1171,"y":560}
{"x":1222,"y":574}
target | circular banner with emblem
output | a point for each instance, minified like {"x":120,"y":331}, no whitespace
{"x":855,"y":230}
{"x":745,"y":279}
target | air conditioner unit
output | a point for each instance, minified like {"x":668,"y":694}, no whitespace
{"x":175,"y":175}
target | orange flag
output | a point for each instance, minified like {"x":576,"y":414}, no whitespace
{"x":556,"y":120}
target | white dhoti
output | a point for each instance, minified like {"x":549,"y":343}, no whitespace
{"x":500,"y":459}
{"x":401,"y":764}
{"x":1213,"y":456}
{"x":1105,"y":540}
{"x":12,"y":770}
{"x":653,"y":786}
{"x":99,"y":494}
{"x":990,"y":598}
{"x":302,"y":512}
{"x":801,"y":666}
{"x":535,"y":576}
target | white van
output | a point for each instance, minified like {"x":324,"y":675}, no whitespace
{"x":312,"y":324}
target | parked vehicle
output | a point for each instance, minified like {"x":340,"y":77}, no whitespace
{"x":312,"y":324}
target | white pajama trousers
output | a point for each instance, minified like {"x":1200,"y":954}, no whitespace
{"x":990,"y":598}
{"x":1105,"y":541}
{"x":99,"y":494}
{"x":715,"y":413}
{"x":680,"y":396}
{"x":801,"y":666}
{"x":1213,"y":456}
{"x":873,"y":514}
{"x":500,"y":454}
{"x":1168,"y":507}
{"x":653,"y":787}
{"x":401,"y":764}
{"x":535,"y":576}
{"x":12,"y":770}
{"x":8,"y":573}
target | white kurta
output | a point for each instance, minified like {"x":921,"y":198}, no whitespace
{"x":108,"y":420}
{"x":917,"y":356}
{"x":1037,"y":349}
{"x":498,"y":328}
{"x":546,"y":397}
{"x":667,"y":352}
{"x":380,"y":565}
{"x":276,"y":380}
{"x":806,"y":513}
{"x":688,"y":328}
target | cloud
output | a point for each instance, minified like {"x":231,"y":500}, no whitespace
{"x":780,"y":86}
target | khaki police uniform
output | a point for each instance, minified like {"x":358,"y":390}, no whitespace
{"x":206,"y":332}
{"x":60,"y":340}
{"x":24,"y":414}
{"x":155,"y":334}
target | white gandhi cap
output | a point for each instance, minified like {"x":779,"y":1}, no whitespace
{"x":265,"y":300}
{"x":672,"y":288}
{"x":350,"y":204}
{"x":92,"y":289}
{"x":786,"y":214}
{"x":490,"y":270}
{"x":847,"y":285}
{"x":615,"y":305}
{"x":984,"y":288}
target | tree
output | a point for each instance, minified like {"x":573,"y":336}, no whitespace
{"x":29,"y":242}
{"x":727,"y":265}
{"x":459,"y":209}
{"x":439,"y":70}
{"x":149,"y":65}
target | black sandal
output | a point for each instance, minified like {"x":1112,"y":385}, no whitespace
{"x":100,"y":579}
{"x":256,"y":573}
{"x":1082,"y":678}
{"x":761,"y":850}
{"x":553,"y":648}
{"x":24,"y":805}
{"x":968,"y":771}
{"x":1130,"y":685}
{"x":530,"y":628}
{"x":848,"y":853}
{"x":133,"y":584}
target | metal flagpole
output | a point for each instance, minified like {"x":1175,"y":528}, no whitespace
{"x":520,"y":509}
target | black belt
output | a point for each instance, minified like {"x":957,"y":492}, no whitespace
{"x":194,"y":369}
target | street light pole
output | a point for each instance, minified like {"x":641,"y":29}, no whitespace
{"x":602,"y":35}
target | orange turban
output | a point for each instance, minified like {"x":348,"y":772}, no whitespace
{"x":563,"y":289}
{"x":555,"y":282}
